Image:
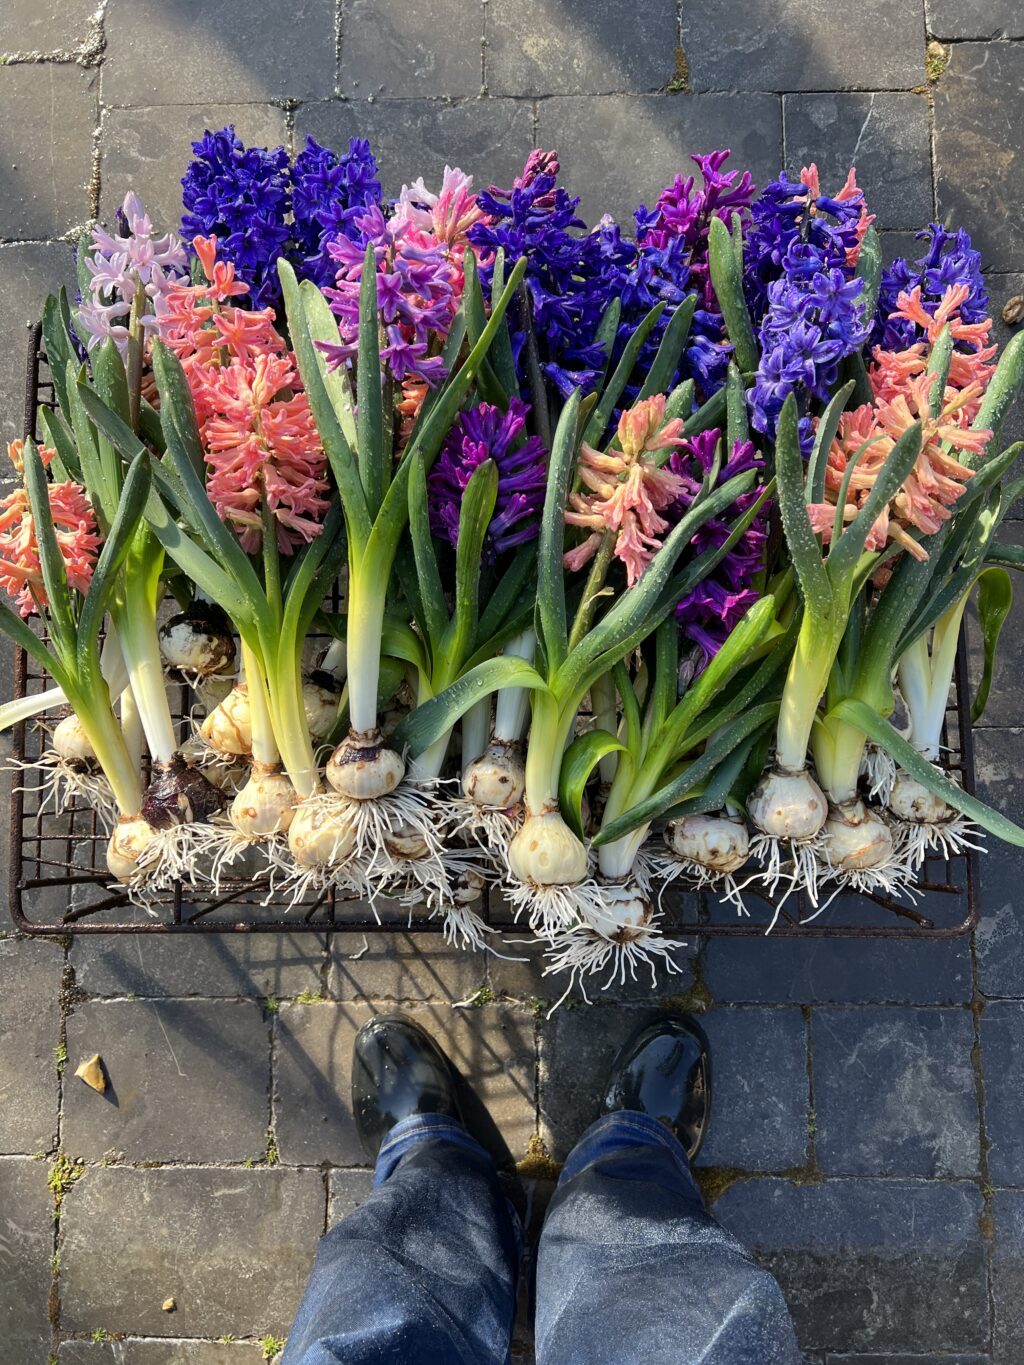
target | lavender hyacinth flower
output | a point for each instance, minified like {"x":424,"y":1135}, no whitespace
{"x":708,"y":613}
{"x":486,"y":433}
{"x":119,"y":265}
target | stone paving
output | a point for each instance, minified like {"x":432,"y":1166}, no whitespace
{"x":868,"y":1136}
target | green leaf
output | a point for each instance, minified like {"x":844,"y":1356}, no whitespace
{"x":501,"y":352}
{"x":328,"y":424}
{"x":474,"y":518}
{"x":602,"y":414}
{"x":51,"y":561}
{"x":692,"y":776}
{"x":869,"y":269}
{"x":607,"y":331}
{"x":727,"y":282}
{"x":861,"y":716}
{"x":579,"y":761}
{"x":737,"y":427}
{"x":1009,"y":556}
{"x":177,"y":412}
{"x":374,"y":460}
{"x":823,"y":438}
{"x":1000,"y":394}
{"x":323,"y":327}
{"x":804,"y":549}
{"x":434,"y":718}
{"x":116,"y":548}
{"x":551,"y":613}
{"x":511,"y":589}
{"x":58,"y":437}
{"x":666,"y":362}
{"x":57,"y":345}
{"x":995,"y":598}
{"x":431,"y":589}
{"x":938,"y":365}
{"x":708,"y":415}
{"x":720,"y":786}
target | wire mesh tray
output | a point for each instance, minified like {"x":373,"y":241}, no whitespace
{"x":58,"y":883}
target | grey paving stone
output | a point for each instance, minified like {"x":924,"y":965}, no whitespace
{"x":44,"y":25}
{"x":148,"y":150}
{"x":760,"y":1094}
{"x":759,"y":1062}
{"x":894,"y":1092}
{"x":979,"y":146}
{"x":870,"y":1265}
{"x":45,"y":171}
{"x":180,"y":1351}
{"x":219,"y":965}
{"x":218,"y":54}
{"x":898,"y":243}
{"x":26,"y":1244}
{"x":1008,"y":1277}
{"x":804,"y":45}
{"x":187,"y":1081}
{"x":521,"y":975}
{"x":812,"y":971}
{"x":618,"y":151}
{"x":958,"y":1359}
{"x":975,"y":18}
{"x":374,"y":967}
{"x":346,"y":1190}
{"x":493,"y":1047}
{"x":612,"y":47}
{"x":27,"y":275}
{"x":1002,"y":1060}
{"x":999,"y":760}
{"x":489,"y":139}
{"x":232,"y":1247}
{"x":30,"y":970}
{"x":425,"y":48}
{"x":887,"y":138}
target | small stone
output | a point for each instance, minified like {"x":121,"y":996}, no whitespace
{"x":1013,"y":310}
{"x":92,"y":1073}
{"x":168,"y":1305}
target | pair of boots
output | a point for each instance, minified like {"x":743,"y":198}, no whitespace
{"x":631,"y":1269}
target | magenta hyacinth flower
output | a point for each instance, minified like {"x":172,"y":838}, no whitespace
{"x":486,"y":433}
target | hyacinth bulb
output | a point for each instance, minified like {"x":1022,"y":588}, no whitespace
{"x":228,"y":727}
{"x":788,"y":805}
{"x":131,"y":838}
{"x":179,"y":795}
{"x":545,"y":852}
{"x":321,"y":697}
{"x":72,"y":745}
{"x":265,"y":805}
{"x":497,"y":779}
{"x":716,"y":842}
{"x":911,"y":801}
{"x":856,"y":838}
{"x":626,"y":910}
{"x":320,"y":836}
{"x":363,"y":768}
{"x":198,"y":642}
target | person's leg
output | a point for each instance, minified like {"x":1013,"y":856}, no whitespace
{"x":631,"y":1267}
{"x":424,"y":1272}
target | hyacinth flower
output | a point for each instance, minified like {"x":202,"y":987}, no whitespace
{"x":949,"y":259}
{"x":671,"y":261}
{"x":955,"y":401}
{"x":811,"y":307}
{"x":328,"y":191}
{"x":127,"y":275}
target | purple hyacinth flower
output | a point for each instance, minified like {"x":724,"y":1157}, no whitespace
{"x":486,"y":433}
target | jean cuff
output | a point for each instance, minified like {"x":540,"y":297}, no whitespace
{"x":619,"y":1132}
{"x":412,"y":1132}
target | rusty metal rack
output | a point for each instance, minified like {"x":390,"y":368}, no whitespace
{"x":58,"y":883}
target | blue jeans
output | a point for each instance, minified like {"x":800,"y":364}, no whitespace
{"x":631,"y":1268}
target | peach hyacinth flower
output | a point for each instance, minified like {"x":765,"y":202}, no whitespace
{"x":74,"y":524}
{"x":902,"y":391}
{"x":628,"y":490}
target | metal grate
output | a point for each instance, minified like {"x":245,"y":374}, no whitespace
{"x":58,"y":882}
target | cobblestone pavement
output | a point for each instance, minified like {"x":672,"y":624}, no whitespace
{"x":868,"y":1136}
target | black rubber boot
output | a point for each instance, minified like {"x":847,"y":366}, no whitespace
{"x":397,"y":1070}
{"x":664,"y":1071}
